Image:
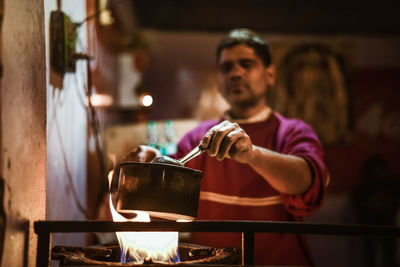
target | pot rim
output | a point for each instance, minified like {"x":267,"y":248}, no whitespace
{"x":182,"y":168}
{"x":162,"y":215}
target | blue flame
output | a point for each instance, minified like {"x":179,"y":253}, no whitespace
{"x":126,"y":257}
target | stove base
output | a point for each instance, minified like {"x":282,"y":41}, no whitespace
{"x":110,"y":256}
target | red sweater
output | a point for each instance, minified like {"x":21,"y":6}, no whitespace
{"x":234,"y":191}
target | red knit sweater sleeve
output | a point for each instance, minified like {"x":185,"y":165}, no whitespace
{"x":299,"y":139}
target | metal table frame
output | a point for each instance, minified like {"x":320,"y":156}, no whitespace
{"x":247,"y":228}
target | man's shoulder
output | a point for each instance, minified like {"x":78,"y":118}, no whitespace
{"x":291,"y":123}
{"x":201,"y":128}
{"x":295,"y":133}
{"x":207,"y":124}
{"x":193,"y":137}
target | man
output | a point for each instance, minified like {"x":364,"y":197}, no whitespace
{"x":259,"y":165}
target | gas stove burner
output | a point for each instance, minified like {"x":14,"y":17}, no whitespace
{"x":109,"y":256}
{"x":44,"y":230}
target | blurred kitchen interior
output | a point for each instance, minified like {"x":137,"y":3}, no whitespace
{"x":339,"y":69}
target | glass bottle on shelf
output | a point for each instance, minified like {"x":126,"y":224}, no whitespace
{"x":152,"y":136}
{"x":170,"y":136}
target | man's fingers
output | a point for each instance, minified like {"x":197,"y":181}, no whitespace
{"x":218,"y":138}
{"x":205,"y":143}
{"x":229,"y":141}
{"x":213,"y":140}
{"x":207,"y":139}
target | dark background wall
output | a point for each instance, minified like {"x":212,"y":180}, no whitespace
{"x":285,"y":17}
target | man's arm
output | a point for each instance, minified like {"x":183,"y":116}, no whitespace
{"x":286,"y":173}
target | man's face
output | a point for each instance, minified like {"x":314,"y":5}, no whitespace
{"x":242,"y":77}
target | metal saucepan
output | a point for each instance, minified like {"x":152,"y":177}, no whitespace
{"x":163,"y":190}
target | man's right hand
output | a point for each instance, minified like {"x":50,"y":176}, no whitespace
{"x":142,"y":154}
{"x":228,"y":140}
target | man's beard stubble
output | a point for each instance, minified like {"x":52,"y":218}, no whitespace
{"x":250,"y":101}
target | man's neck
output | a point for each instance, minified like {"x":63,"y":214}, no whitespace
{"x":245,"y":113}
{"x":258,"y":116}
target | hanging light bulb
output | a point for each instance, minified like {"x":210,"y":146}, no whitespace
{"x":105,"y":16}
{"x":146,"y":100}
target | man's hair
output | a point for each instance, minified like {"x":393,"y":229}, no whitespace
{"x":249,"y":38}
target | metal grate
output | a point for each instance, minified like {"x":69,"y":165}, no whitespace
{"x":247,"y":228}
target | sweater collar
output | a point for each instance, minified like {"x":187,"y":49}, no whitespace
{"x":260,"y":116}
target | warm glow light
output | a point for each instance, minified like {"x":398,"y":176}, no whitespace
{"x":146,"y":100}
{"x":138,"y":246}
{"x":106,"y":18}
{"x":101,"y":100}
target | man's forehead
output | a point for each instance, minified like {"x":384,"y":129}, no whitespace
{"x":238,"y":52}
